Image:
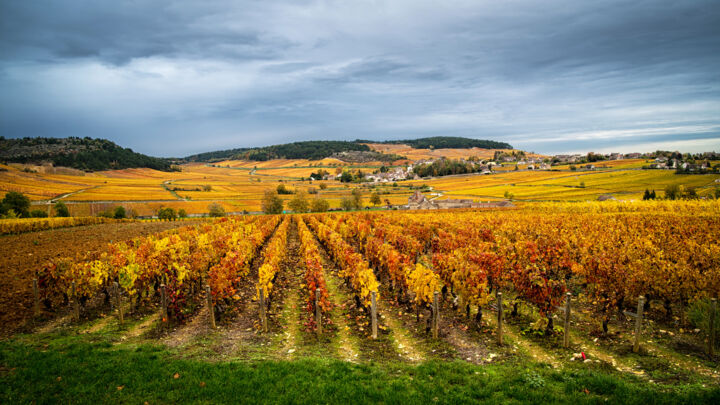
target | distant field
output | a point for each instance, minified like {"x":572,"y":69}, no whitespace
{"x":239,"y":185}
{"x":569,"y":185}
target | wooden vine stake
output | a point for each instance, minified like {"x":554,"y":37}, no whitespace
{"x":566,"y":318}
{"x":36,"y":296}
{"x":711,"y":338}
{"x":499,"y":318}
{"x":373,"y":313}
{"x":318,"y":313}
{"x":211,"y":307}
{"x":638,"y":322}
{"x":263,"y":315}
{"x":76,"y":302}
{"x":436,"y":314}
{"x":118,"y":297}
{"x":163,"y":303}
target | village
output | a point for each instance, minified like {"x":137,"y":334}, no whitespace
{"x":591,"y":161}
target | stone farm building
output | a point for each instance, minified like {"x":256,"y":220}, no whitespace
{"x":418,"y":201}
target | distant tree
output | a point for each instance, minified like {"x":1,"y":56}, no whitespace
{"x":299,"y":203}
{"x":216,"y":210}
{"x":271,"y":203}
{"x":673,"y":192}
{"x":167,"y":214}
{"x":347,"y":203}
{"x":357,"y":198}
{"x":119,"y":212}
{"x":182,"y":213}
{"x":61,"y":210}
{"x":17,"y":202}
{"x":346,"y":177}
{"x":646,"y":195}
{"x":281,"y":189}
{"x":323,"y":186}
{"x":38,"y":214}
{"x":319,"y":205}
{"x":508,"y":195}
{"x":375,"y":199}
{"x":207,"y":187}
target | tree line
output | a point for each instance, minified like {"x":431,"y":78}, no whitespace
{"x":79,"y":153}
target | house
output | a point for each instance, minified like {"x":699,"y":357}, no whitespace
{"x":417,"y":201}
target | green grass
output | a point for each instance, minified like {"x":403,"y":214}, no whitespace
{"x":89,"y":369}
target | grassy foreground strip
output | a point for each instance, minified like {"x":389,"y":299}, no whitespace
{"x":68,"y":369}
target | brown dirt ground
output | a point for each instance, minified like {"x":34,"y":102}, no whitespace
{"x":22,"y":254}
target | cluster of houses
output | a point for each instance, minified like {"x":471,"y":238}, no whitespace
{"x":392,"y":175}
{"x":418,"y":201}
{"x":670,"y":164}
{"x":537,"y":163}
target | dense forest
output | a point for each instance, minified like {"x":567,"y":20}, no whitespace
{"x":452,"y":142}
{"x":313,"y":150}
{"x":80,"y":153}
{"x":446,"y":167}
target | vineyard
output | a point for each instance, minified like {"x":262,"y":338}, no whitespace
{"x":478,"y":287}
{"x":22,"y":225}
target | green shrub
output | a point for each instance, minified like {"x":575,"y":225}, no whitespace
{"x":319,"y":205}
{"x":271,"y":203}
{"x":38,"y":214}
{"x":61,"y":210}
{"x":17,"y":202}
{"x":215,"y":210}
{"x":119,"y":212}
{"x":167,"y":214}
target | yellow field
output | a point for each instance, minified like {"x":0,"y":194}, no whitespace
{"x":239,"y":185}
{"x":568,"y":185}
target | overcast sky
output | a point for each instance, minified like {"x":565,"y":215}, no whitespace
{"x":180,"y":77}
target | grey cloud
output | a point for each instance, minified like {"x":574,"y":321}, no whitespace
{"x":217,"y":74}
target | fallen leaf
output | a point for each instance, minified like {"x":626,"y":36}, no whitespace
{"x":176,"y":376}
{"x":58,"y":379}
{"x":202,"y":384}
{"x":120,"y":387}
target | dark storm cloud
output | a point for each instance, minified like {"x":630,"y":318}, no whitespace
{"x":174,"y":78}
